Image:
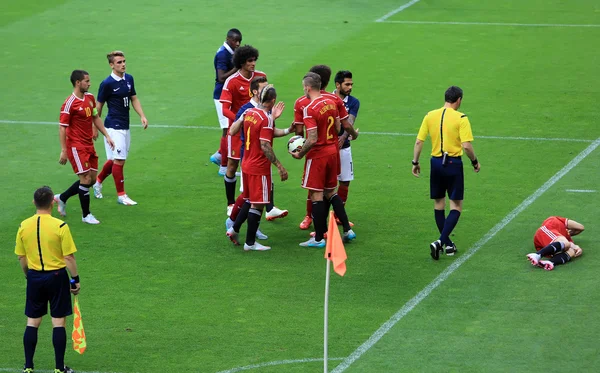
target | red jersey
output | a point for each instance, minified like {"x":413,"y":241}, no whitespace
{"x":303,"y":102}
{"x":320,"y":116}
{"x":77,"y":115}
{"x":557,"y":224}
{"x":236,"y":92}
{"x":258,"y":125}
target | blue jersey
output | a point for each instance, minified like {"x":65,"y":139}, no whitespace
{"x":352,"y":105}
{"x":116,"y":92}
{"x":249,"y":105}
{"x":223,"y":61}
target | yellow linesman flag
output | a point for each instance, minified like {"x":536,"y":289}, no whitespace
{"x":78,"y":335}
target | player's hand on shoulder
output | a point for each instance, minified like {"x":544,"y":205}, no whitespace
{"x":63,"y":157}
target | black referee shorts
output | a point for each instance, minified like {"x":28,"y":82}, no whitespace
{"x":448,"y":179}
{"x":45,"y":287}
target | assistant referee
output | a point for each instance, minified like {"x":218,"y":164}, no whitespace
{"x":45,"y":249}
{"x":450,"y":133}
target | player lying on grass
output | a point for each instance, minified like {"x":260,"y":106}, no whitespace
{"x":553,"y":240}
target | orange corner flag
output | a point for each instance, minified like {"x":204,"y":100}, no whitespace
{"x":78,"y":335}
{"x":335,"y":247}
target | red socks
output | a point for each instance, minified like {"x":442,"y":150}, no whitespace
{"x":106,"y":171}
{"x":239,"y":202}
{"x":117,"y":171}
{"x":343,"y":193}
{"x":223,"y":151}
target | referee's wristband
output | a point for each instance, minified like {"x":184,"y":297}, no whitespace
{"x":415,"y":163}
{"x":75,"y":279}
{"x":474,"y":162}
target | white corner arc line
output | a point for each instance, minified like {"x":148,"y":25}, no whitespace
{"x":397,"y":10}
{"x":492,"y":24}
{"x":215,"y":128}
{"x":275,"y":363}
{"x":411,"y":304}
{"x":581,"y":190}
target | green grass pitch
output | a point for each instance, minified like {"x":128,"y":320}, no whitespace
{"x":163,"y":290}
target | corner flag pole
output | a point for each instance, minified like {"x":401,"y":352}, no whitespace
{"x":327,"y":272}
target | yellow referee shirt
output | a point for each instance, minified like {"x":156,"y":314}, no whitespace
{"x":448,"y":129}
{"x":45,"y":241}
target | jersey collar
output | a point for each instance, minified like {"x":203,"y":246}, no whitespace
{"x":228,"y":47}
{"x":116,"y":77}
{"x":345,"y":99}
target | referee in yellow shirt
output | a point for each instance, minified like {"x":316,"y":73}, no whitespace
{"x":45,"y":249}
{"x":450,"y":133}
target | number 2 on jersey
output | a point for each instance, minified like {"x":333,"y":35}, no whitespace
{"x":331,"y":122}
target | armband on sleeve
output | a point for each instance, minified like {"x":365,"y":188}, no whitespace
{"x":95,"y":112}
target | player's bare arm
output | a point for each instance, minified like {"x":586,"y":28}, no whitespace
{"x":468,"y":147}
{"x":100,"y":126}
{"x":137,"y":106}
{"x":62,"y":136}
{"x":416,"y":168}
{"x":574,"y":227}
{"x":71,"y":264}
{"x":99,"y":106}
{"x":23,"y":262}
{"x":311,"y":140}
{"x":268,"y":151}
{"x":349,"y":127}
{"x":236,"y":126}
{"x":299,"y":128}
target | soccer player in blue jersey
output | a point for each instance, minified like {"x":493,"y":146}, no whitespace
{"x":224,"y":68}
{"x":118,"y":92}
{"x":343,"y":88}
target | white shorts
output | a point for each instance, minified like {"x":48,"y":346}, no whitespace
{"x":346,"y":165}
{"x":223,"y":120}
{"x":122,"y":140}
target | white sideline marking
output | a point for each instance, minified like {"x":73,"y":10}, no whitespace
{"x":215,"y":128}
{"x":397,"y":10}
{"x":43,"y":371}
{"x":411,"y":304}
{"x":275,"y":363}
{"x":581,"y":190}
{"x":491,"y":24}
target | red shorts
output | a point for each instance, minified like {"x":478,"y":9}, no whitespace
{"x":321,"y":173}
{"x":234,"y":146}
{"x":82,"y":158}
{"x":257,"y":188}
{"x":544,"y":237}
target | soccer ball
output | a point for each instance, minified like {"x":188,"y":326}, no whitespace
{"x":295,"y":144}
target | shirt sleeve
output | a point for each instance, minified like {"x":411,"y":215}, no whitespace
{"x":266,"y":131}
{"x":310,"y":121}
{"x":222,"y":61}
{"x":103,"y":92}
{"x":65,"y":116}
{"x":132,"y":93}
{"x":67,"y":244}
{"x":353,"y":109}
{"x":465,"y":130}
{"x":342,"y":112}
{"x":19,"y":247}
{"x":298,"y":113}
{"x":424,"y":130}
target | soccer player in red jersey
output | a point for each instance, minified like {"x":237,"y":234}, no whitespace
{"x":236,"y":92}
{"x":78,"y":115}
{"x":553,"y":239}
{"x":259,"y":130}
{"x":324,"y":73}
{"x":322,"y":166}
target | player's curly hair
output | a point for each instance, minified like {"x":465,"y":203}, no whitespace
{"x":243,"y":54}
{"x":324,"y":72}
{"x":268,"y":93}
